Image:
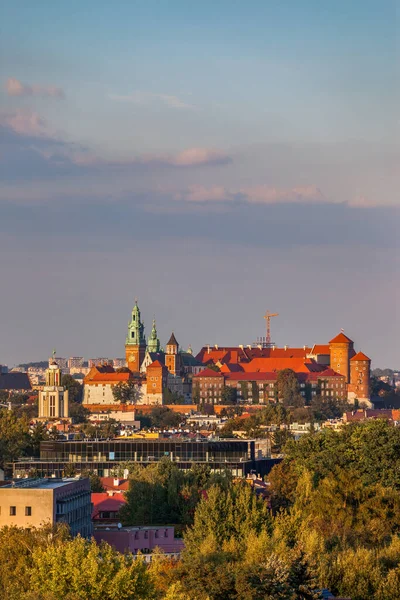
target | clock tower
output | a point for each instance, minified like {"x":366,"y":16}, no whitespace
{"x":135,"y":343}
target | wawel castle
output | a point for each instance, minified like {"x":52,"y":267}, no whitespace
{"x":151,"y":369}
{"x":332,"y":370}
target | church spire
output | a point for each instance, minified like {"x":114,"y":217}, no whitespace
{"x":153,"y":344}
{"x":135,"y":328}
{"x":135,"y":342}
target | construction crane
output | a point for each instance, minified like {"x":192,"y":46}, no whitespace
{"x":268,"y":315}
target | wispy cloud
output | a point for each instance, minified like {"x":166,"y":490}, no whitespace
{"x":147,"y":98}
{"x":264,"y":194}
{"x":14,"y":87}
{"x":261,"y":194}
{"x":29,"y":148}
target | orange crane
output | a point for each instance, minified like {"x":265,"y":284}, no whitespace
{"x":268,"y":317}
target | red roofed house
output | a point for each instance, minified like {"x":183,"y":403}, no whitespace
{"x":106,"y":506}
{"x":99,"y":383}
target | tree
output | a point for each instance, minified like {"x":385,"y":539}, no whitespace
{"x":172,"y":397}
{"x":164,"y":417}
{"x":74,"y":388}
{"x":82,"y":569}
{"x":195,"y":393}
{"x":95,"y":482}
{"x":126,"y":392}
{"x":228,"y":395}
{"x":78,"y":412}
{"x":14,"y":436}
{"x":288,"y":388}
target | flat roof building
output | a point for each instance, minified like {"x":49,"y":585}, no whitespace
{"x":36,"y":502}
{"x":104,"y":456}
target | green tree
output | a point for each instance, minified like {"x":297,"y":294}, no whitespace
{"x":228,"y":395}
{"x":164,"y":417}
{"x":14,"y":436}
{"x":78,"y":412}
{"x":75,"y":389}
{"x":88,"y":571}
{"x":172,"y":397}
{"x":195,"y":393}
{"x":288,"y":388}
{"x":126,"y":392}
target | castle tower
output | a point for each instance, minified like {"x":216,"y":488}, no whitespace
{"x":135,"y":343}
{"x":341,"y":351}
{"x":360,"y":373}
{"x":153,"y":343}
{"x":156,"y":376}
{"x":172,"y":357}
{"x":53,"y":398}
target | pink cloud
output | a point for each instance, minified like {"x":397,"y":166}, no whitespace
{"x":14,"y":87}
{"x":25,"y":123}
{"x":199,"y":156}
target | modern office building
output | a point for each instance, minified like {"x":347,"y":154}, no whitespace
{"x":104,"y":456}
{"x":35,"y":502}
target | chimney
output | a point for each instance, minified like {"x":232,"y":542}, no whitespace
{"x":273,"y":347}
{"x":116,"y":482}
{"x":286,"y":347}
{"x":216,"y":346}
{"x":208,"y":348}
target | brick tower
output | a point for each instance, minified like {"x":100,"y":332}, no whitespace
{"x":135,"y":343}
{"x":360,"y":373}
{"x":172,"y":357}
{"x":341,"y":351}
{"x":157,"y":374}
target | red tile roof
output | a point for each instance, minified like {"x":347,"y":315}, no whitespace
{"x":360,"y":356}
{"x":109,"y":377}
{"x":341,"y":339}
{"x":268,"y":365}
{"x":208,"y":373}
{"x":104,"y":502}
{"x":157,"y":364}
{"x":320,"y":349}
{"x":235,"y":354}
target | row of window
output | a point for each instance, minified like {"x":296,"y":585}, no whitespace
{"x":13,"y":511}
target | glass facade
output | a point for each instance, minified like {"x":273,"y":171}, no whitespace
{"x":103,"y":457}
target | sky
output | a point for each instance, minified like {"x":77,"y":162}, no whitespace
{"x":212,"y":159}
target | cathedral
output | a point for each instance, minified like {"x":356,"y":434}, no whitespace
{"x":152,"y":371}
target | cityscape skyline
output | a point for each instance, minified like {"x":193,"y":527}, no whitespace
{"x":195,"y":349}
{"x":211,"y":159}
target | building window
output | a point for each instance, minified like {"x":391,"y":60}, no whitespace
{"x":13,"y":511}
{"x":52,"y":406}
{"x":28,"y":511}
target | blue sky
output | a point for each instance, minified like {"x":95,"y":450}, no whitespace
{"x":214,"y":159}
